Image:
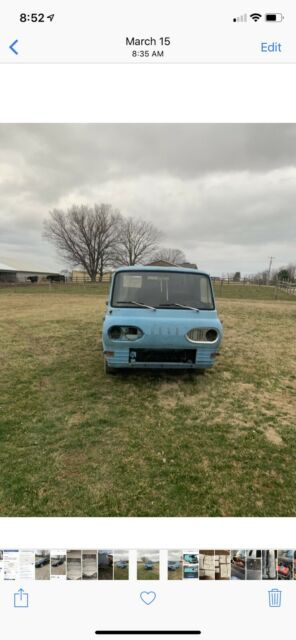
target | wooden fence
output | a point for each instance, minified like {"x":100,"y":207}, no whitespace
{"x":289,"y":287}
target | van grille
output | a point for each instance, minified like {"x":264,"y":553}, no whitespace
{"x":163,"y":355}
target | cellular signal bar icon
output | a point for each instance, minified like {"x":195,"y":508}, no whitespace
{"x":242,"y":18}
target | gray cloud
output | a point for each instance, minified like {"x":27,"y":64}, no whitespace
{"x":225,"y":194}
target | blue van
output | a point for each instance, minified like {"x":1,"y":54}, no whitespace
{"x":160,"y":317}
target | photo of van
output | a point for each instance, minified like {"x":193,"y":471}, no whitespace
{"x":160,"y":317}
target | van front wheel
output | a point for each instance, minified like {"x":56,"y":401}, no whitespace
{"x":109,"y":370}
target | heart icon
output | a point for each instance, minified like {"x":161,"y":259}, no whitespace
{"x":148,"y":596}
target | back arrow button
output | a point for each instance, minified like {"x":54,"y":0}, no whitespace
{"x":12,"y":45}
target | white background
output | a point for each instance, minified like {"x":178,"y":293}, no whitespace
{"x":147,"y":93}
{"x":228,"y":610}
{"x":148,"y":533}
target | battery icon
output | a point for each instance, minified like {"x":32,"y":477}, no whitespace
{"x":274,"y":17}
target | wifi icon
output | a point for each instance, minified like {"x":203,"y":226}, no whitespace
{"x":255,"y":16}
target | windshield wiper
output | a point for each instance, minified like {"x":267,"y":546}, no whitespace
{"x":182,"y":306}
{"x":139,"y":304}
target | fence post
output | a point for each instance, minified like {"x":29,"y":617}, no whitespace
{"x":275,"y":291}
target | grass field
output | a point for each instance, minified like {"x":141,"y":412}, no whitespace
{"x":177,"y":574}
{"x":76,"y":443}
{"x":241,"y":291}
{"x":120,"y":574}
{"x":147,"y":574}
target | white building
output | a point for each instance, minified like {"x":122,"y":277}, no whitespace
{"x":9,"y":274}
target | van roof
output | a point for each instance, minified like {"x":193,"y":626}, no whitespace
{"x":178,"y":269}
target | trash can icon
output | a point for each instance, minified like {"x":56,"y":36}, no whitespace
{"x":275,"y":598}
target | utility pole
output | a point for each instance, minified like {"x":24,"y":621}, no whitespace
{"x":271,"y":259}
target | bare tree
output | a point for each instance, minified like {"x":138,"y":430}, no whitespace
{"x":292,"y":272}
{"x":137,"y":242}
{"x":85,"y":236}
{"x":287,"y":272}
{"x":175,"y":256}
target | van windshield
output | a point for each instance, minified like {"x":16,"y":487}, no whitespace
{"x":162,"y":289}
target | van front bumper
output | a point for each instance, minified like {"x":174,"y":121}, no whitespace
{"x":202,"y":357}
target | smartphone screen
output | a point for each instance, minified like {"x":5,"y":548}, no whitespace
{"x":147,"y":320}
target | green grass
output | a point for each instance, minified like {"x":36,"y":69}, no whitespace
{"x":120,"y":574}
{"x":89,"y":288}
{"x":105,"y":573}
{"x":234,"y":291}
{"x":177,"y":574}
{"x":147,"y":574}
{"x":251,"y":292}
{"x":74,"y":442}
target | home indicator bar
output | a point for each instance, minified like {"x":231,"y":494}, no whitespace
{"x":148,"y":633}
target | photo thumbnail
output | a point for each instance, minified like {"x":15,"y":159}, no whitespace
{"x":190,"y":565}
{"x":89,"y":565}
{"x":286,"y":564}
{"x":222,"y":565}
{"x":254,"y":564}
{"x":148,"y":565}
{"x":105,"y":565}
{"x":175,"y":565}
{"x":42,"y":564}
{"x":238,"y":564}
{"x":58,"y":565}
{"x":207,"y":564}
{"x":121,"y":565}
{"x":74,"y":565}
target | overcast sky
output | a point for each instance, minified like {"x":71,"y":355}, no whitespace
{"x":149,"y":554}
{"x":224,"y":194}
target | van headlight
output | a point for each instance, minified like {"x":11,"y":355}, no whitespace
{"x":124,"y":333}
{"x":211,"y":335}
{"x":202,"y":334}
{"x":115,"y":333}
